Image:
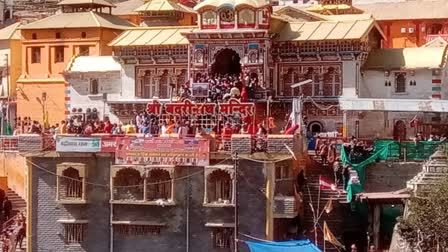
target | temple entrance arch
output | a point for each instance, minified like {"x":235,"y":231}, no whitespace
{"x":226,"y":61}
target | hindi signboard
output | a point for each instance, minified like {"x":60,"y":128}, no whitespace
{"x":78,"y":144}
{"x":162,"y":151}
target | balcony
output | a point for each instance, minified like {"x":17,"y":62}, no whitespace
{"x":432,"y":37}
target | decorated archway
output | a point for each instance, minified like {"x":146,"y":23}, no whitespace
{"x":226,"y":61}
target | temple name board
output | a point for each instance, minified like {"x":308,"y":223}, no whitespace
{"x":188,"y":107}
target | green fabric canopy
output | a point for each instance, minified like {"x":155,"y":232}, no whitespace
{"x":387,"y":150}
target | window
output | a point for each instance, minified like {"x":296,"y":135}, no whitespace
{"x":403,"y":30}
{"x":161,"y":52}
{"x":128,"y":185}
{"x":308,"y":47}
{"x":94,"y":86}
{"x":58,"y":35}
{"x":180,"y":51}
{"x":71,"y":183}
{"x":222,"y":237}
{"x":411,"y":30}
{"x":345,"y":46}
{"x":34,"y":36}
{"x":74,"y":232}
{"x":59,"y":54}
{"x":83,"y":35}
{"x":328,"y":47}
{"x":125,"y":230}
{"x":158,"y":185}
{"x":219,"y":187}
{"x":84,"y":50}
{"x":400,"y":82}
{"x":35,"y":54}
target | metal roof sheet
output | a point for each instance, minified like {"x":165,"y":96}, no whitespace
{"x":79,"y":20}
{"x":11,"y":32}
{"x":87,"y":2}
{"x":93,"y":64}
{"x":152,"y":36}
{"x":326,"y":30}
{"x":406,"y":58}
{"x":163,"y":5}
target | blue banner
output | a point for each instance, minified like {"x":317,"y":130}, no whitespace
{"x":283,"y":246}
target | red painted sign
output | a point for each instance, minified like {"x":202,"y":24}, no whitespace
{"x":188,"y":107}
{"x":162,"y":151}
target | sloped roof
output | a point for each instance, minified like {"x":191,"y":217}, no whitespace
{"x":87,"y":64}
{"x":326,"y":30}
{"x":302,"y":9}
{"x":437,"y":42}
{"x":231,"y":3}
{"x":87,"y":2}
{"x":407,"y":10}
{"x":127,"y":7}
{"x":78,"y":20}
{"x":163,"y":5}
{"x":153,"y":36}
{"x":11,"y":32}
{"x":407,"y":58}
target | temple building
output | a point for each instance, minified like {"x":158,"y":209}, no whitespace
{"x":82,"y":28}
{"x":245,"y":38}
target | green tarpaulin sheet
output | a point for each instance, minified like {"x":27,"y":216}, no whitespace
{"x":387,"y":150}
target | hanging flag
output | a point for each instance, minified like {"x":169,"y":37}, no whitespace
{"x":414,"y":122}
{"x":329,"y":206}
{"x":329,"y":237}
{"x":326,"y":184}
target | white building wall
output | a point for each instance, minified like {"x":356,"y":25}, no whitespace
{"x":79,"y":91}
{"x":350,"y":76}
{"x":373,"y":85}
{"x":128,"y":82}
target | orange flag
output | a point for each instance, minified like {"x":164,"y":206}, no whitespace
{"x":329,"y":236}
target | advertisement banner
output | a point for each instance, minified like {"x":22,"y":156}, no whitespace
{"x":162,"y":151}
{"x":78,"y":144}
{"x":108,"y":144}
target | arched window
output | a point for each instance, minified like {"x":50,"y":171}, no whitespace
{"x":158,"y":185}
{"x":70,"y":184}
{"x":128,"y":185}
{"x":400,"y":82}
{"x":219,"y":187}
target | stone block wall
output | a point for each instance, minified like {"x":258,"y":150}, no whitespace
{"x":185,"y":221}
{"x":30,"y":143}
{"x":276,"y":143}
{"x":241,"y":143}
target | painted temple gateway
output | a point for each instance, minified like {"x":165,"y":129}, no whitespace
{"x":244,"y":37}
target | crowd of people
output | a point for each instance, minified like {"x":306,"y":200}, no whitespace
{"x":13,"y":236}
{"x":222,"y":87}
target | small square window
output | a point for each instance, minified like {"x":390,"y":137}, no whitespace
{"x":58,"y":35}
{"x":59,"y":54}
{"x":35,"y":54}
{"x":403,"y":30}
{"x":411,"y":30}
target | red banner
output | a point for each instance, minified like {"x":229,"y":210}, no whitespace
{"x":188,"y":107}
{"x":162,"y":151}
{"x":108,"y":143}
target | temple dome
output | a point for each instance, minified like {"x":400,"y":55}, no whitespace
{"x":231,"y":3}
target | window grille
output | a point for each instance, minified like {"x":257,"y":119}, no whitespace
{"x":74,"y":232}
{"x":222,"y":237}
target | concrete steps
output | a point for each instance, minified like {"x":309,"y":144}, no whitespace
{"x":336,"y":218}
{"x":17,"y":202}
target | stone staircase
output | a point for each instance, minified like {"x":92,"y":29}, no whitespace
{"x":433,"y":172}
{"x":18,"y":205}
{"x":338,"y":220}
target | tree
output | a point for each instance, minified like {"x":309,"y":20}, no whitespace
{"x":426,"y":225}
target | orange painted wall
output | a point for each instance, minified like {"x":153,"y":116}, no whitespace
{"x":135,"y":19}
{"x":12,"y":166}
{"x":16,"y":65}
{"x":396,"y":38}
{"x":46,"y":76}
{"x":27,"y":104}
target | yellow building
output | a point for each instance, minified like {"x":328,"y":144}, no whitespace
{"x":83,"y":28}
